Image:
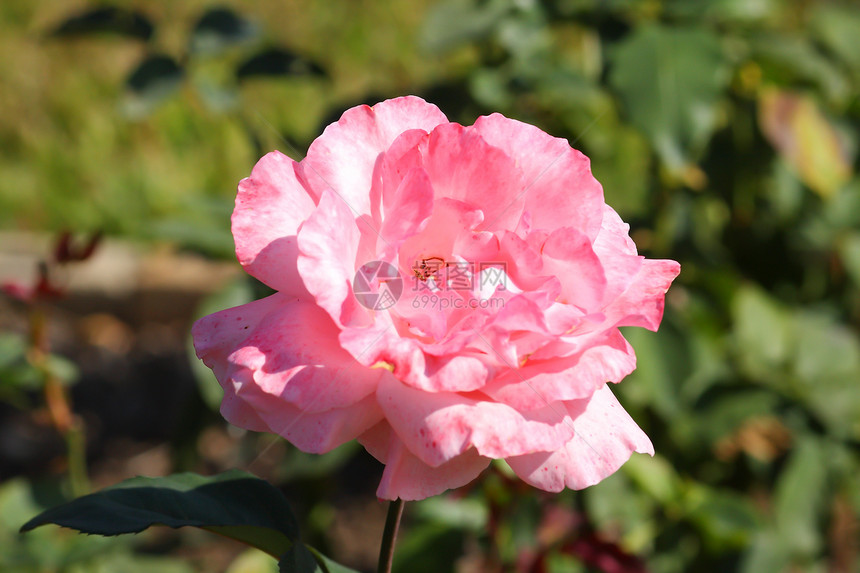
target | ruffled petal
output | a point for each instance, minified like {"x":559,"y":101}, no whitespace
{"x":643,"y":302}
{"x":558,"y":187}
{"x":343,"y":158}
{"x":568,"y":255}
{"x":407,"y":477}
{"x":270,"y":206}
{"x":328,"y":245}
{"x":439,"y":426}
{"x":462,"y":166}
{"x":540,"y":382}
{"x":293,"y":356}
{"x":282,"y":371}
{"x":605,"y":438}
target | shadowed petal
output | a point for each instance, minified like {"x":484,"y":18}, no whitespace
{"x":439,"y":426}
{"x":407,"y":477}
{"x":270,"y":206}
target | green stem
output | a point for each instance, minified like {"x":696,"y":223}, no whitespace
{"x":392,"y":523}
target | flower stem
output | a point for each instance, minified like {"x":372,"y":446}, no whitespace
{"x":392,"y":523}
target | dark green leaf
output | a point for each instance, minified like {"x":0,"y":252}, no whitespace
{"x":154,"y":79}
{"x":671,"y":80}
{"x":298,"y":559}
{"x":278,"y":62}
{"x":234,"y":504}
{"x":218,"y":29}
{"x":108,"y":19}
{"x":154,"y":73}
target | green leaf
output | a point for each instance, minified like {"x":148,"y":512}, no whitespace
{"x":670,"y":80}
{"x":792,"y":60}
{"x":152,"y":81}
{"x":275,"y":62}
{"x":726,"y":519}
{"x":453,"y":23}
{"x":838,"y":28}
{"x":298,"y":559}
{"x":801,"y":499}
{"x":218,"y":29}
{"x":234,"y":504}
{"x":108,"y":19}
{"x":764,"y":334}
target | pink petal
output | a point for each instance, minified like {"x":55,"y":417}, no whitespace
{"x":540,"y":382}
{"x":342,"y":159}
{"x":320,"y":432}
{"x":407,"y":477}
{"x":282,"y":371}
{"x":408,"y":212}
{"x":568,"y":254}
{"x":643,"y":301}
{"x":270,"y":206}
{"x":558,"y":187}
{"x":605,"y":438}
{"x":328,"y":244}
{"x":462,"y":166}
{"x":437,"y":427}
{"x":218,"y":335}
{"x":293,"y":356}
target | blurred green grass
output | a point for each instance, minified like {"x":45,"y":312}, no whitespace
{"x":71,"y":160}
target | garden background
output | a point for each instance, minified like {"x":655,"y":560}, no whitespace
{"x":725,"y":132}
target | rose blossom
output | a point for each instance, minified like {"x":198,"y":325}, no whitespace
{"x":436,"y":391}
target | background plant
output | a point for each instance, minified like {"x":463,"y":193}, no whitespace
{"x":724,"y":131}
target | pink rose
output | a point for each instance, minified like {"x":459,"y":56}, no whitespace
{"x":514,"y":277}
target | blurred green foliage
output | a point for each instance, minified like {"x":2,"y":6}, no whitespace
{"x":724,"y":131}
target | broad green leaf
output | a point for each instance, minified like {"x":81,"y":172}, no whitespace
{"x":806,"y":139}
{"x":764,"y":334}
{"x":298,"y":559}
{"x":801,"y":499}
{"x":234,"y":504}
{"x":671,"y":81}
